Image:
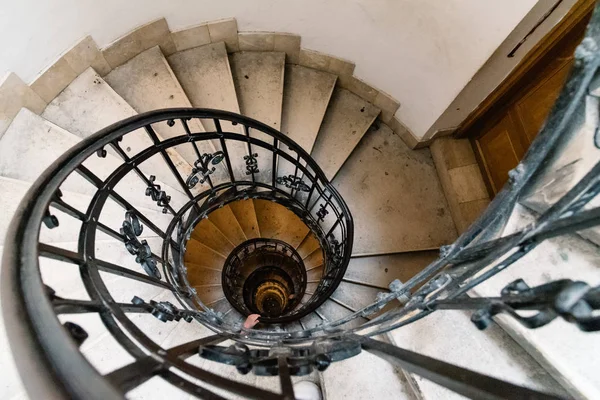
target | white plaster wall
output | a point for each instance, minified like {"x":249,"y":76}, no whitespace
{"x":423,"y":52}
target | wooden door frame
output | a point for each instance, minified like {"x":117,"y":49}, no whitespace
{"x":498,"y":99}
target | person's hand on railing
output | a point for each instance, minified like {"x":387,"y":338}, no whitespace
{"x":251,"y":321}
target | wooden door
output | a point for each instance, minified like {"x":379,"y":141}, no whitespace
{"x":505,"y":133}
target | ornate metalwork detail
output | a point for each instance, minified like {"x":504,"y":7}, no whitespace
{"x":322,"y":213}
{"x":435,"y":284}
{"x":300,"y":360}
{"x":51,"y":221}
{"x":251,"y":164}
{"x":293,"y":182}
{"x":337,"y":252}
{"x":78,"y":334}
{"x":101,"y":152}
{"x":131,"y":229}
{"x":164,"y":310}
{"x":160,"y":196}
{"x":201,"y":170}
{"x":445,"y":250}
{"x":574,"y":301}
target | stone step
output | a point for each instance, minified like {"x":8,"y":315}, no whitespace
{"x":258,"y":78}
{"x":559,"y":347}
{"x":234,"y":317}
{"x":199,"y":254}
{"x":355,"y":296}
{"x":311,"y":287}
{"x":380,"y":271}
{"x":311,"y":320}
{"x":224,"y":219}
{"x":450,"y":336}
{"x":31,"y":137}
{"x":65,"y":278}
{"x":365,"y":377}
{"x":333,"y":311}
{"x":307,"y":93}
{"x":314,"y":259}
{"x":306,"y":96}
{"x":205,"y":75}
{"x":178,"y":333}
{"x":68,"y":230}
{"x":314,"y":274}
{"x":147,"y":83}
{"x":245,"y":213}
{"x":309,"y":244}
{"x":209,"y":294}
{"x":207,"y":233}
{"x":203,"y":276}
{"x":397,"y":190}
{"x":89,"y":104}
{"x":277,"y":222}
{"x":346,"y":121}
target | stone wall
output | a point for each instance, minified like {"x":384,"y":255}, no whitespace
{"x":461,"y":180}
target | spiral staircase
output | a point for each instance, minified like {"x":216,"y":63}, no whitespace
{"x":168,"y":190}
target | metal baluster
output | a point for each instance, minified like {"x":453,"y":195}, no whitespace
{"x":98,"y":183}
{"x":224,"y":148}
{"x":172,"y":168}
{"x":186,"y":128}
{"x":275,"y":157}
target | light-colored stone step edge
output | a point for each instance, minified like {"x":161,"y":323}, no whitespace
{"x":365,"y":376}
{"x":207,"y":233}
{"x":205,"y":75}
{"x":314,"y":260}
{"x":88,"y":104}
{"x":491,"y":352}
{"x":309,"y":244}
{"x":198,"y":253}
{"x":277,"y":222}
{"x":399,"y":194}
{"x":347,"y":120}
{"x":306,"y":95}
{"x":225,"y":220}
{"x":314,"y":275}
{"x":356,"y":296}
{"x":203,"y":276}
{"x":86,"y":53}
{"x":560,"y":348}
{"x":148,"y":83}
{"x":385,"y":253}
{"x":245,"y":214}
{"x":274,"y":41}
{"x":332,"y":311}
{"x":209,"y":294}
{"x":112,"y":214}
{"x":40,"y":139}
{"x":258,"y":80}
{"x":381,"y":269}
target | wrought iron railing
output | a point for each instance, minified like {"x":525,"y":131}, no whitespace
{"x":264,"y":256}
{"x":251,"y":160}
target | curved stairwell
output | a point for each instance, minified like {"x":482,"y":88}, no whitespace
{"x":365,"y":229}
